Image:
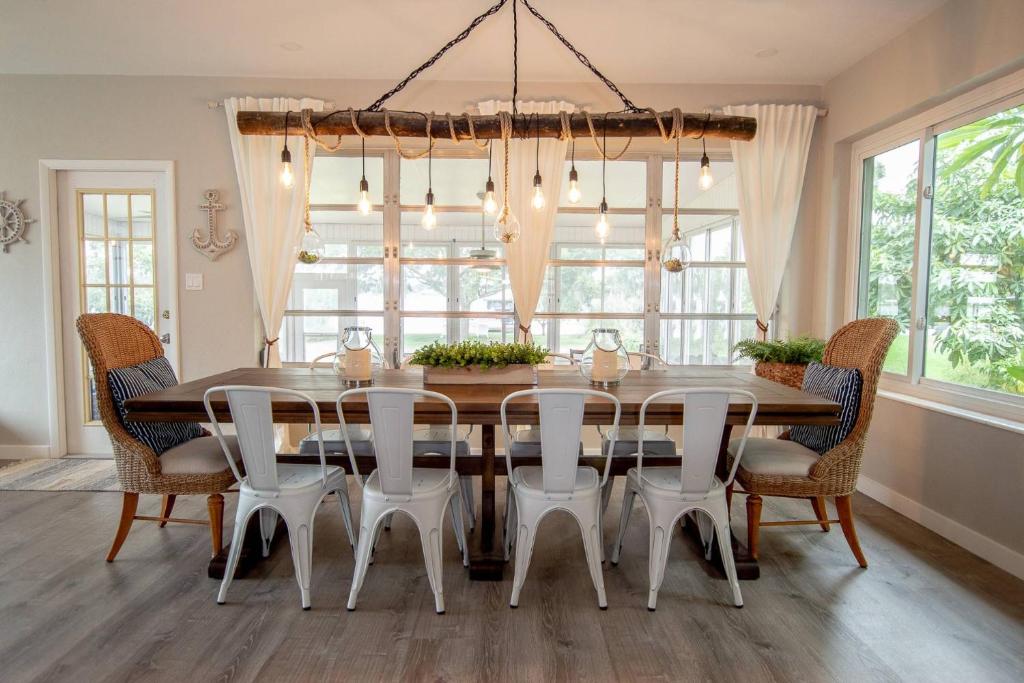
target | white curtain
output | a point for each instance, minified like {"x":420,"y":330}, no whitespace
{"x":528,"y":257}
{"x":271,"y":213}
{"x":770,"y":178}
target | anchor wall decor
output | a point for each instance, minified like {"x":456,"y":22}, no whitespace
{"x":210,"y":245}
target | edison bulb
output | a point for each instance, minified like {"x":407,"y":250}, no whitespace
{"x":364,"y":205}
{"x":429,"y":220}
{"x":538,"y":198}
{"x":574,"y":192}
{"x":705,"y":180}
{"x":603,"y":227}
{"x":287,"y":176}
{"x":490,"y":205}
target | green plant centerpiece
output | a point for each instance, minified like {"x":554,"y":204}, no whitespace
{"x":782,"y":361}
{"x":473,"y":362}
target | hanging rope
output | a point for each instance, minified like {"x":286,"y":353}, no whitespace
{"x":472,"y":135}
{"x":676,"y":130}
{"x":505,"y":119}
{"x":310,"y":132}
{"x":307,"y":172}
{"x":675,"y":207}
{"x":565,"y":118}
{"x":413,"y":156}
{"x":603,"y":148}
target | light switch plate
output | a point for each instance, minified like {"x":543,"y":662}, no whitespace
{"x":193,"y":281}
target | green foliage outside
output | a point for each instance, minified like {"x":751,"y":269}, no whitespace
{"x":975,"y":313}
{"x":486,"y":355}
{"x":799,"y":350}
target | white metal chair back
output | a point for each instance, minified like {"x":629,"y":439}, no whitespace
{"x":391,"y":419}
{"x":252,"y":413}
{"x":561,"y":420}
{"x":704,"y":415}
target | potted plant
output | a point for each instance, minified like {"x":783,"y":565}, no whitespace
{"x":782,"y":361}
{"x":474,"y":362}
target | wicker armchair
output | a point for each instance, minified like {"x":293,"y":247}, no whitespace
{"x":861,"y":344}
{"x":196,"y":468}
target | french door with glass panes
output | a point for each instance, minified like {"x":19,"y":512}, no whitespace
{"x":115,"y":256}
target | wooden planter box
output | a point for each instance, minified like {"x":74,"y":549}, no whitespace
{"x":790,"y":374}
{"x":474,"y":374}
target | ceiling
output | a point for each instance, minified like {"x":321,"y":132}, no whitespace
{"x":643,"y":41}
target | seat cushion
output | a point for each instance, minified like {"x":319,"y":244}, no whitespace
{"x":627,"y":441}
{"x":532,"y":478}
{"x":526,"y":443}
{"x":360,"y":436}
{"x":146,"y":378}
{"x":199,"y":456}
{"x":437,"y":440}
{"x":424,"y":480}
{"x":842,"y":385}
{"x":774,"y":457}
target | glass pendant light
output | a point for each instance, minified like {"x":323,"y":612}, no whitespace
{"x":574,"y":178}
{"x":506,"y":227}
{"x":490,"y":204}
{"x":705,"y":179}
{"x":675,"y":254}
{"x":429,"y":220}
{"x":538,"y":189}
{"x":287,"y":176}
{"x":364,"y":205}
{"x":603,"y":227}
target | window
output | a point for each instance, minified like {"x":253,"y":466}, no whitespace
{"x":413,"y":286}
{"x":942,"y":251}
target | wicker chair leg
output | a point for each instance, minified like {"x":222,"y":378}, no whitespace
{"x":844,"y":506}
{"x":821,"y":512}
{"x":753,"y":523}
{"x":165,"y":509}
{"x":129,"y":504}
{"x":215,"y":506}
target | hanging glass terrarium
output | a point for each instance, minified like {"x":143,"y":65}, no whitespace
{"x":675,"y":254}
{"x":311,"y":249}
{"x":605,"y":361}
{"x":358,"y":359}
{"x":506,"y":228}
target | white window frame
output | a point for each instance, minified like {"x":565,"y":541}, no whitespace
{"x":970,"y":402}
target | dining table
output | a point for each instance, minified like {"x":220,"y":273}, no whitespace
{"x":480,"y":405}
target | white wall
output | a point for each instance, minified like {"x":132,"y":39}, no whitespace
{"x":167,"y":118}
{"x":963,"y":478}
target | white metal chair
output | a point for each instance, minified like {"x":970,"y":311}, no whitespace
{"x":668,"y":493}
{"x":360,"y":436}
{"x":396,"y":486}
{"x":558,"y":484}
{"x":293,"y":491}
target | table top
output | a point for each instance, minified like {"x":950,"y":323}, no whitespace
{"x":480,"y":403}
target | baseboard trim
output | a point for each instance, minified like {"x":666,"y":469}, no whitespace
{"x":965,"y":537}
{"x":8,"y":452}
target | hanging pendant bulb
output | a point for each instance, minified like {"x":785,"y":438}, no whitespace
{"x":538,"y":192}
{"x":364,"y":205}
{"x":287,"y":175}
{"x":429,"y":220}
{"x":603,"y":227}
{"x":705,"y":180}
{"x":574,"y":186}
{"x":490,"y":204}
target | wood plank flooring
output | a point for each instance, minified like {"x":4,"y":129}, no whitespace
{"x":925,"y":610}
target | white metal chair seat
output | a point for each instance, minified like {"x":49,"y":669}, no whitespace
{"x":627,"y":441}
{"x":424,"y":481}
{"x":531,"y":479}
{"x":268,"y":489}
{"x":668,"y":493}
{"x":780,"y":457}
{"x":360,"y":436}
{"x":526,"y":443}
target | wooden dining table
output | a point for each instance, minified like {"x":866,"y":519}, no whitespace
{"x":479,"y":404}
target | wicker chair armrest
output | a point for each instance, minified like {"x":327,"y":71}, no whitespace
{"x":846,"y":455}
{"x":135,"y":451}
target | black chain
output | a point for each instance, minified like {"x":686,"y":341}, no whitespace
{"x":440,"y":53}
{"x":582,"y":57}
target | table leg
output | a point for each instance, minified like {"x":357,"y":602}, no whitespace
{"x":747,"y":568}
{"x":486,"y":562}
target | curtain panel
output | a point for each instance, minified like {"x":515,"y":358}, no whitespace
{"x":527,"y":257}
{"x":271,"y":213}
{"x":770,"y":178}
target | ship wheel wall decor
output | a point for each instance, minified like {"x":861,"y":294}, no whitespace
{"x":12,"y":222}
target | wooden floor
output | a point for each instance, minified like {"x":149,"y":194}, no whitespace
{"x":925,"y":610}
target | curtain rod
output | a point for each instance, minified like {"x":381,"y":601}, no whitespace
{"x":822,"y":111}
{"x":214,"y":104}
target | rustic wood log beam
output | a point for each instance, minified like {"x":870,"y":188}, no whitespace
{"x":413,"y":125}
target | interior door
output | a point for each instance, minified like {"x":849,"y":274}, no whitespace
{"x":116,"y":255}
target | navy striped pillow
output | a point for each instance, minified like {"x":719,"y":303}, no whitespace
{"x":144,"y":378}
{"x":841,"y":385}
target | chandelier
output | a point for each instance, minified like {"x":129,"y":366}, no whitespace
{"x":376,"y":120}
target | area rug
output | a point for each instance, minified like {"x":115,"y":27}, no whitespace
{"x":60,"y":474}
